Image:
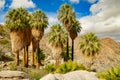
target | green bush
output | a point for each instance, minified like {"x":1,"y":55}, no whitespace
{"x":50,"y":68}
{"x":65,"y":67}
{"x":37,"y":74}
{"x":111,"y":74}
{"x":13,"y":66}
{"x":4,"y":57}
{"x":41,"y":55}
{"x":70,"y":66}
{"x":4,"y":41}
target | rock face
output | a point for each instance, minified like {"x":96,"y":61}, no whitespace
{"x":107,"y":57}
{"x":14,"y":75}
{"x":75,"y":75}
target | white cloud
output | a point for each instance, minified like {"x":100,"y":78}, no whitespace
{"x":22,"y":3}
{"x":92,"y":1}
{"x":52,"y":19}
{"x":2,"y":3}
{"x":75,"y":1}
{"x":105,"y":18}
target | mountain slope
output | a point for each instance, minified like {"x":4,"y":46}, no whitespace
{"x":108,"y":56}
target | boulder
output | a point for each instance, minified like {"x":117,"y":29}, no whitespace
{"x":49,"y":77}
{"x":74,"y":75}
{"x":80,"y":75}
{"x":52,"y":77}
{"x":14,"y":75}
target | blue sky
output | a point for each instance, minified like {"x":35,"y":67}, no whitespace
{"x":99,"y":16}
{"x":50,"y":7}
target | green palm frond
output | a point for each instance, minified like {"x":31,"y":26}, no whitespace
{"x":17,"y":19}
{"x":66,"y":15}
{"x":39,"y":20}
{"x":57,"y":36}
{"x":90,"y":44}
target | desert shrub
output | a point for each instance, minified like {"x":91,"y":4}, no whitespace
{"x":4,"y":41}
{"x":37,"y":74}
{"x":41,"y":55}
{"x":13,"y":66}
{"x":1,"y":54}
{"x":70,"y":66}
{"x":111,"y":74}
{"x":4,"y":57}
{"x":50,"y":68}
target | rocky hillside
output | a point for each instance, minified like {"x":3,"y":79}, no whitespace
{"x":108,"y":56}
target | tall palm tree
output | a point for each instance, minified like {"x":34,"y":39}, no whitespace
{"x":57,"y":38}
{"x":74,"y":30}
{"x":39,"y":22}
{"x":90,"y":46}
{"x":66,"y":15}
{"x":17,"y":20}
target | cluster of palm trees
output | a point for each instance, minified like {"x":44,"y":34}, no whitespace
{"x":67,"y":17}
{"x":58,"y":36}
{"x":26,"y":29}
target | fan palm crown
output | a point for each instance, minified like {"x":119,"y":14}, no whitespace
{"x":57,"y":36}
{"x":90,"y":44}
{"x":17,"y":19}
{"x":39,"y":20}
{"x":66,"y":15}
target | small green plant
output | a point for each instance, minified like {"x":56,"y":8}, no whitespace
{"x":13,"y":66}
{"x":4,"y":57}
{"x":4,"y":41}
{"x":37,"y":74}
{"x":111,"y":74}
{"x":70,"y":66}
{"x":41,"y":55}
{"x":50,"y":68}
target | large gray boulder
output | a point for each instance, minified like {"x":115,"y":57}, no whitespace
{"x":14,"y":75}
{"x":52,"y":77}
{"x":74,"y":75}
{"x":80,"y":75}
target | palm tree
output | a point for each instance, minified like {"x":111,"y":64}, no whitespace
{"x":57,"y":38}
{"x":66,"y":15}
{"x":90,"y":46}
{"x":17,"y":20}
{"x":39,"y":22}
{"x":74,"y":30}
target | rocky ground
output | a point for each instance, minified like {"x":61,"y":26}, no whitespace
{"x":14,"y":75}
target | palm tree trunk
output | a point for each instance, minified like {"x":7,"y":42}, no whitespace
{"x":57,"y":63}
{"x":67,"y":52}
{"x":32,"y":57}
{"x":26,"y":48}
{"x":72,"y":50}
{"x":33,"y":50}
{"x":37,"y":58}
{"x":24,"y":58}
{"x":17,"y":58}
